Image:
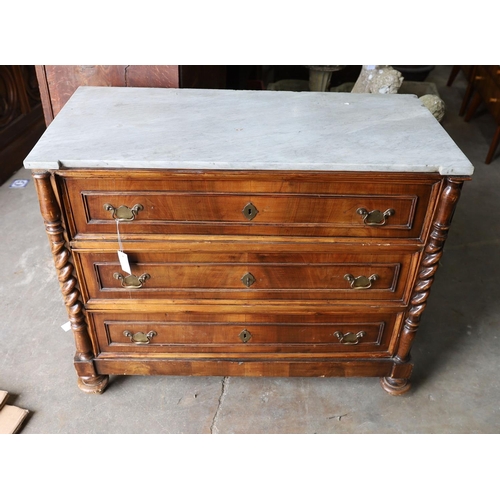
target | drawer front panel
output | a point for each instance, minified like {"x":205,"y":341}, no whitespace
{"x":333,"y":208}
{"x":343,"y":334}
{"x":351,"y":277}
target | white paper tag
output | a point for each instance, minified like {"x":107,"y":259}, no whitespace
{"x":122,"y":256}
{"x":66,"y":327}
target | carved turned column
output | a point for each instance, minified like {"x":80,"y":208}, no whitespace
{"x":398,"y":383}
{"x":88,"y":379}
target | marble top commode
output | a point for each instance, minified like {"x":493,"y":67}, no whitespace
{"x":150,"y":128}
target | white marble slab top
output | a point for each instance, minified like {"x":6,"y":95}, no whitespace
{"x":119,"y":127}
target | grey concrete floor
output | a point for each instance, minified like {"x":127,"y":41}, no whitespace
{"x":456,"y":386}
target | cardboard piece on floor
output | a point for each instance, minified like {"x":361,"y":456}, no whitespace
{"x":3,"y":398}
{"x":11,"y":418}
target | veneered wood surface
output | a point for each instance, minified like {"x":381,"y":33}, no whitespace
{"x":195,"y":300}
{"x":219,"y":333}
{"x":277,"y":275}
{"x":214,"y":203}
{"x":241,"y":367}
{"x":191,"y":271}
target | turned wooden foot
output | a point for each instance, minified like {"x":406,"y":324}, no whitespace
{"x":93,"y":385}
{"x":395,"y":386}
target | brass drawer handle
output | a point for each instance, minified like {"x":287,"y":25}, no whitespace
{"x":250,"y":211}
{"x":361,"y":282}
{"x":375,"y":217}
{"x":123,"y":213}
{"x":131,"y":281}
{"x":350,"y":337}
{"x":140,"y":338}
{"x":493,"y":99}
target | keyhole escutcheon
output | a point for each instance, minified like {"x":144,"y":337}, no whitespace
{"x":248,"y":279}
{"x":245,"y":335}
{"x":250,"y":211}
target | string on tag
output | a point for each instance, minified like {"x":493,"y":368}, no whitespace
{"x":120,"y":246}
{"x":122,"y":256}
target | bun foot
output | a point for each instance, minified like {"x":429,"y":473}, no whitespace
{"x":93,"y":385}
{"x":395,"y":386}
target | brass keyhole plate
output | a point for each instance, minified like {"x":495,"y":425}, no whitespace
{"x":250,"y":211}
{"x":245,"y":335}
{"x":248,"y":280}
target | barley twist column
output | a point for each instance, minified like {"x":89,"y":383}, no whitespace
{"x":88,"y":379}
{"x":428,"y":267}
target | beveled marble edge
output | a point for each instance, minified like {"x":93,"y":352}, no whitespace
{"x":319,"y":133}
{"x":299,"y":167}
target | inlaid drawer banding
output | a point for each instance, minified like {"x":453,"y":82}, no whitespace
{"x":275,"y":208}
{"x":348,"y":338}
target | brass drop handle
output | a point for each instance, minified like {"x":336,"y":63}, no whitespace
{"x":124,"y":213}
{"x":140,"y":338}
{"x":131,"y":281}
{"x":375,"y":217}
{"x":361,"y":282}
{"x":350,"y":337}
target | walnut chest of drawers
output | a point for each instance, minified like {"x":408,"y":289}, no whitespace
{"x":267,"y":233}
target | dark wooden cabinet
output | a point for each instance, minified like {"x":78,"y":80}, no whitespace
{"x":484,"y":88}
{"x":59,"y":82}
{"x":21,"y":118}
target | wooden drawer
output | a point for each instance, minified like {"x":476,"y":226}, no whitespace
{"x":345,"y":335}
{"x":249,"y":276}
{"x":266,"y":204}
